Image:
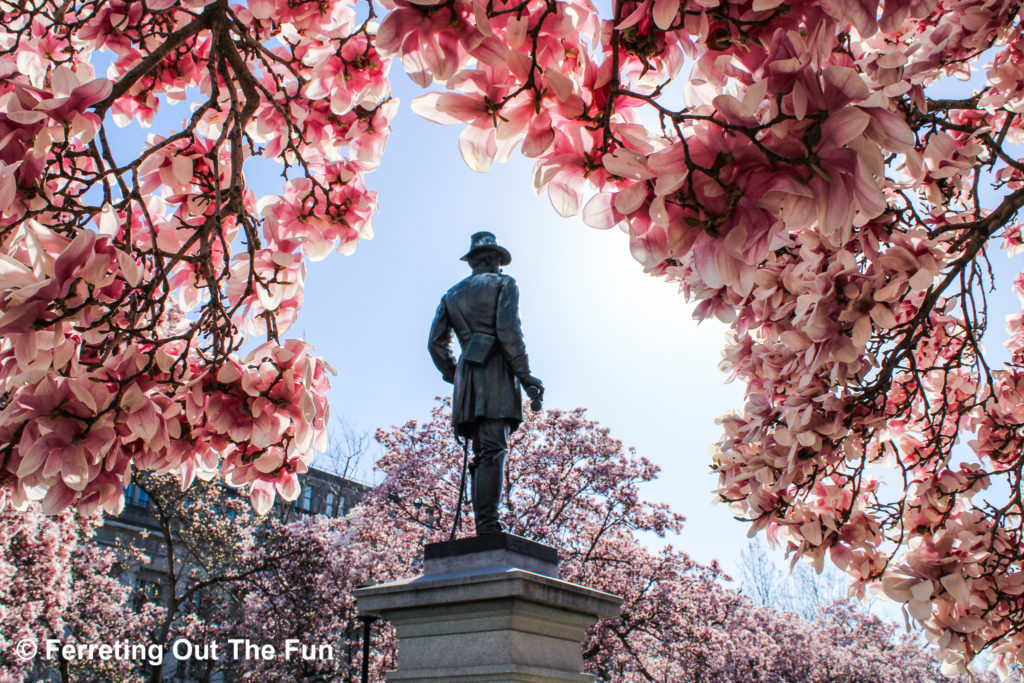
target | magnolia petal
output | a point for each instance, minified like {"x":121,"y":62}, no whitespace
{"x":635,"y":16}
{"x":811,"y":531}
{"x":847,"y":81}
{"x":862,"y":14}
{"x":490,"y":51}
{"x":261,"y":9}
{"x":566,"y":195}
{"x":261,"y":495}
{"x":658,"y":212}
{"x":108,"y":222}
{"x":957,"y":587}
{"x":861,"y":332}
{"x":600,"y":213}
{"x":883,"y":317}
{"x":665,"y":12}
{"x":93,"y":91}
{"x":288,"y":487}
{"x":58,"y":497}
{"x":539,"y":135}
{"x":844,"y":125}
{"x":627,"y":164}
{"x":631,"y":198}
{"x":181,"y":169}
{"x":268,"y":462}
{"x":560,"y":83}
{"x":650,"y":248}
{"x":74,"y":255}
{"x":921,"y":280}
{"x":478,"y":148}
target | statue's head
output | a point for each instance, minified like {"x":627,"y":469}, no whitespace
{"x":483,"y":246}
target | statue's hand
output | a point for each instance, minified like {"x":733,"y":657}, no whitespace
{"x":534,"y":389}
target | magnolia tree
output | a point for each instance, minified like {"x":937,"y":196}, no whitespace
{"x":130,"y":278}
{"x":207,"y":554}
{"x":203,"y":563}
{"x":575,"y":487}
{"x":843,"y":643}
{"x":308,"y":598}
{"x":55,"y":583}
{"x":805,"y":182}
{"x":229,"y":575}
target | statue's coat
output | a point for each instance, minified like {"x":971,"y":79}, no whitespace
{"x":485,"y":303}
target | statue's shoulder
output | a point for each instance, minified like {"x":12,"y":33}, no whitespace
{"x":460,"y":286}
{"x":497,"y":279}
{"x":477,"y":285}
{"x":484,"y":280}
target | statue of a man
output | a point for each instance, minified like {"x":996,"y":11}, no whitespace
{"x":483,"y":311}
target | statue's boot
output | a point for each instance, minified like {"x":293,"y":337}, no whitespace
{"x":488,"y":476}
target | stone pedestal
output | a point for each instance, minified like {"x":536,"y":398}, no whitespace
{"x":488,"y":609}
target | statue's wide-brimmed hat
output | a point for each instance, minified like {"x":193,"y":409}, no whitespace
{"x":485,"y":241}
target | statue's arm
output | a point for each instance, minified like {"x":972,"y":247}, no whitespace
{"x":508,"y":328}
{"x":440,"y":343}
{"x":510,"y":335}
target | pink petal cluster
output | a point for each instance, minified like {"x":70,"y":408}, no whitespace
{"x":58,"y":583}
{"x":131,"y":279}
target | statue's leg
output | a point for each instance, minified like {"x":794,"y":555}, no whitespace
{"x":490,"y":448}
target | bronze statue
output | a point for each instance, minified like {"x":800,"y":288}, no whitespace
{"x":483,"y":311}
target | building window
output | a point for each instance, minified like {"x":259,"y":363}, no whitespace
{"x":135,"y":496}
{"x":329,"y":504}
{"x":305,"y":501}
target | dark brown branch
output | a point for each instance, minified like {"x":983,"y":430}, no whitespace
{"x":171,"y":43}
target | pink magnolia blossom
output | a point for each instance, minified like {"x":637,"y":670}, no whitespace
{"x":130,"y":283}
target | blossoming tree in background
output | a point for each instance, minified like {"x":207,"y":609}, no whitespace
{"x":575,"y":487}
{"x":55,"y":583}
{"x":228,"y":575}
{"x":808,"y":185}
